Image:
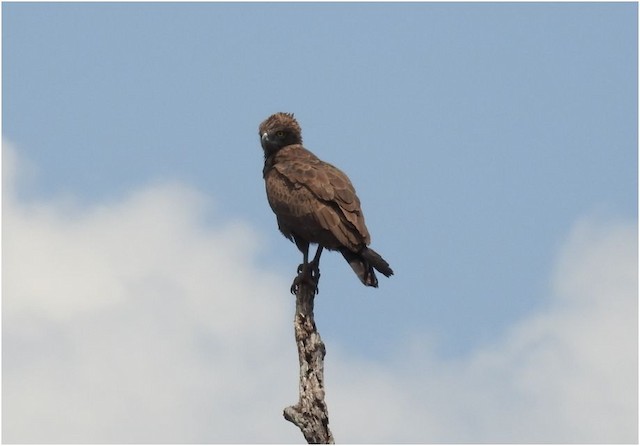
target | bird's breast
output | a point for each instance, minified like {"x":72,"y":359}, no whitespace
{"x":287,"y":198}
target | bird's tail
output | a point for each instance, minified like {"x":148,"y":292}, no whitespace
{"x":364,"y":262}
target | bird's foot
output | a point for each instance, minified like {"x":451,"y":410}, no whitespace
{"x":308,"y":274}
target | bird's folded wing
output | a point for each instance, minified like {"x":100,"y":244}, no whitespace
{"x":335,"y":192}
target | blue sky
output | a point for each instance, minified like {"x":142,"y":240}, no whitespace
{"x":482,"y":140}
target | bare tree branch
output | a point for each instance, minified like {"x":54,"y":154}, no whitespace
{"x":310,"y":414}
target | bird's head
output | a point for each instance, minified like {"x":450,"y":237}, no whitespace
{"x":277,"y":131}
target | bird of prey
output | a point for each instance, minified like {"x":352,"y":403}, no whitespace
{"x":314,"y":202}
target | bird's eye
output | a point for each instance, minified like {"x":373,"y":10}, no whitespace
{"x":280,"y":133}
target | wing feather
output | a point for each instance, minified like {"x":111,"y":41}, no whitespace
{"x":338,"y":208}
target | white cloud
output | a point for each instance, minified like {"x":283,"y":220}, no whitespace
{"x":137,"y":321}
{"x":567,"y":374}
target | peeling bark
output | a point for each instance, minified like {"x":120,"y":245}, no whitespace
{"x":310,"y":414}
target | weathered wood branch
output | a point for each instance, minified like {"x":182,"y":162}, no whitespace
{"x":310,"y":414}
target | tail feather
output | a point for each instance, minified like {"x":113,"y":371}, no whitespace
{"x":377,"y":261}
{"x":364,"y":262}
